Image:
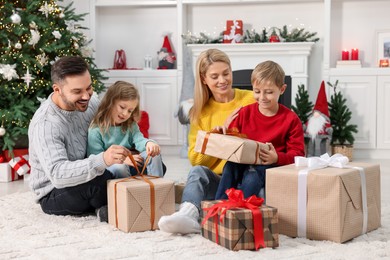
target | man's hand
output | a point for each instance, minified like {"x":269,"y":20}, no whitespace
{"x":137,"y":158}
{"x":115,"y":154}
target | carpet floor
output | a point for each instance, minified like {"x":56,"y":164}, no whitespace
{"x":27,"y":233}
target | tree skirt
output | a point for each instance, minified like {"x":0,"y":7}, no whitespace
{"x":27,"y":233}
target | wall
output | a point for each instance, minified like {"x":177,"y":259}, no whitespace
{"x":353,"y":25}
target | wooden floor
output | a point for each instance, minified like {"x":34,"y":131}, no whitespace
{"x":178,"y":168}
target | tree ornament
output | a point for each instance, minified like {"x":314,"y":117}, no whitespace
{"x":8,"y":71}
{"x":35,"y":37}
{"x":28,"y":78}
{"x":18,"y":45}
{"x":46,"y":9}
{"x":16,"y":19}
{"x":2,"y":131}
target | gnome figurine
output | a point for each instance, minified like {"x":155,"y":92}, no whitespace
{"x":166,"y":57}
{"x":318,"y":129}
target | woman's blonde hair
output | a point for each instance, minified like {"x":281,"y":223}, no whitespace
{"x":268,"y":71}
{"x":120,"y":90}
{"x":201,"y":91}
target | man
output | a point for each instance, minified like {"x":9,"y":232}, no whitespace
{"x":318,"y":128}
{"x":64,"y":181}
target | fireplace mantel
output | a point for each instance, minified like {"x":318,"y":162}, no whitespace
{"x":292,"y":56}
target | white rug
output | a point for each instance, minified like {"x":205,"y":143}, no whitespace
{"x":27,"y":233}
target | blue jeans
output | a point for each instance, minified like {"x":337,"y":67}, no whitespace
{"x":79,"y":199}
{"x":202,"y":184}
{"x":154,"y":167}
{"x":248,"y":178}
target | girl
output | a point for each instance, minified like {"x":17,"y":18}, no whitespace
{"x":115,"y":123}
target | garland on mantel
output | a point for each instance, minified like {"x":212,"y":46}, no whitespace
{"x":294,"y":35}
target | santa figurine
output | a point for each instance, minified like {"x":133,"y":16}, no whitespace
{"x":166,"y":57}
{"x":318,"y":129}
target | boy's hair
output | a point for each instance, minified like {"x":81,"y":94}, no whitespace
{"x":120,"y":90}
{"x":268,"y":71}
{"x":201,"y":91}
{"x":67,"y":66}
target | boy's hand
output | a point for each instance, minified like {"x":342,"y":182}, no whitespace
{"x":270,"y":156}
{"x":152,"y":149}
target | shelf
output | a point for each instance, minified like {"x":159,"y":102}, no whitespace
{"x":142,"y":73}
{"x":359,"y":71}
{"x":133,"y":3}
{"x":213,"y":2}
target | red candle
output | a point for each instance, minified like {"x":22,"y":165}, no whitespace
{"x":354,"y":54}
{"x":345,"y":55}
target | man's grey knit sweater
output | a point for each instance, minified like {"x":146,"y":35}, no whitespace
{"x":58,"y":147}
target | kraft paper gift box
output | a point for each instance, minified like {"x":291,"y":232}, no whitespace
{"x":130,"y":202}
{"x":331,"y":204}
{"x":179,"y":188}
{"x":229,"y":147}
{"x":236,"y":230}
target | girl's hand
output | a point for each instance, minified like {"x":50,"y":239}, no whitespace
{"x":152,"y":149}
{"x":137,"y":158}
{"x":270,"y":156}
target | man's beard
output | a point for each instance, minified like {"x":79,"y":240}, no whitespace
{"x":73,"y":106}
{"x":315,"y":125}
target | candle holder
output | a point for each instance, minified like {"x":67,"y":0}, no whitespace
{"x":383,"y":63}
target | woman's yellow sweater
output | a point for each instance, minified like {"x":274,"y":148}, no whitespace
{"x":214,"y":114}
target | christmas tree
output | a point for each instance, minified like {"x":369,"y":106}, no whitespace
{"x":340,"y":115}
{"x":303,"y":106}
{"x":33,"y":35}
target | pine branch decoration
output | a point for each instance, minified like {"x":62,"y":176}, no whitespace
{"x":340,"y":115}
{"x":303,"y":106}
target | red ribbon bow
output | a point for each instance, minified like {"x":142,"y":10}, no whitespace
{"x":236,"y":200}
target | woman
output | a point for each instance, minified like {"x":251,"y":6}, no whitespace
{"x":215,"y":103}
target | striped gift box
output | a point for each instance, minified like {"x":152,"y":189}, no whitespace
{"x":235,"y":232}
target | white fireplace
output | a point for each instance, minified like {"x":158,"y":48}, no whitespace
{"x":292,"y":56}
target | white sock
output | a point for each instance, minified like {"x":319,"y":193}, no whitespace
{"x":184,"y":221}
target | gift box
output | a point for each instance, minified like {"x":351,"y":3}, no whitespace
{"x":234,"y":31}
{"x":235,"y":231}
{"x":229,"y":147}
{"x":179,"y":188}
{"x":137,"y":203}
{"x":7,"y":173}
{"x":327,"y":203}
{"x":20,"y":165}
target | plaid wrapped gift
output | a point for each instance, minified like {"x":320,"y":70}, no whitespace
{"x":233,"y":228}
{"x":231,"y":147}
{"x":325,"y":198}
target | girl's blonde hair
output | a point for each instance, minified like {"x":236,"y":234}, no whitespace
{"x":120,"y":90}
{"x":201,"y":91}
{"x":268,"y":71}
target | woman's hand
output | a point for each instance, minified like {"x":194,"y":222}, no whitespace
{"x":270,"y":156}
{"x":152,"y":149}
{"x":231,"y":117}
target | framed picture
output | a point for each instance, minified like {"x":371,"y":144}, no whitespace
{"x":383,"y":45}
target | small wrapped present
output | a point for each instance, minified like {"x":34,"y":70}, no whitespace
{"x":234,"y":31}
{"x":20,"y":165}
{"x":7,"y":173}
{"x":179,"y":188}
{"x":240,"y":224}
{"x":325,"y":198}
{"x":229,"y":147}
{"x":138,"y":202}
